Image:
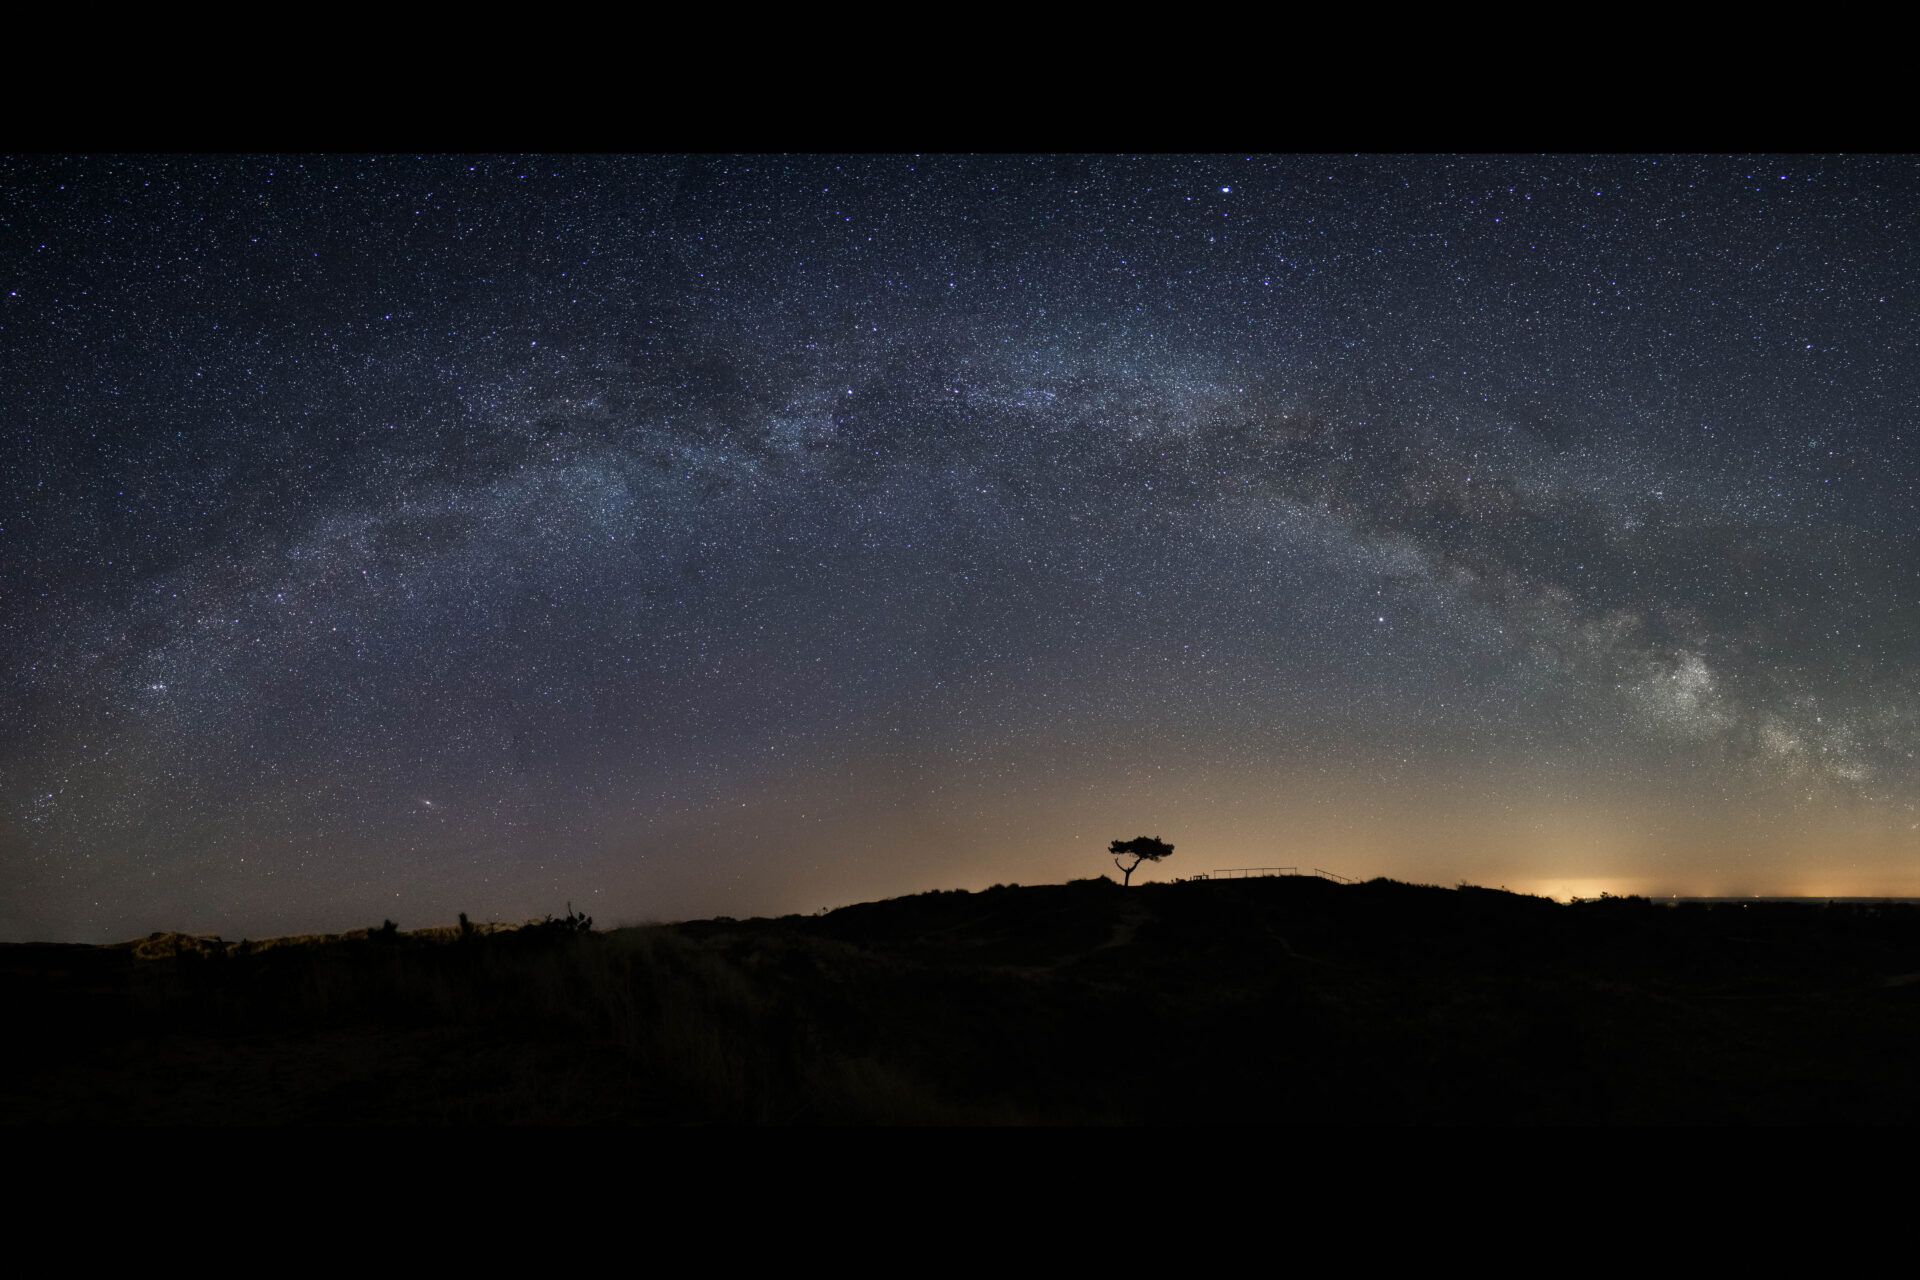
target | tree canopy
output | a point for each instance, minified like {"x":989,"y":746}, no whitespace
{"x":1142,"y":849}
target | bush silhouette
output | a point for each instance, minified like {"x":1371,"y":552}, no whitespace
{"x":564,"y":927}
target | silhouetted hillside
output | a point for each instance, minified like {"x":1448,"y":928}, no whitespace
{"x":1265,"y":1000}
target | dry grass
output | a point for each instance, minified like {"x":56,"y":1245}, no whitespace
{"x":677,"y":1021}
{"x":1228,"y":1002}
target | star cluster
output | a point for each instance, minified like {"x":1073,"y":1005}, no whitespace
{"x":684,"y":535}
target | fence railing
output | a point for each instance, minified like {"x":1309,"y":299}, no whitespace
{"x":1243,"y":873}
{"x":1230,"y":873}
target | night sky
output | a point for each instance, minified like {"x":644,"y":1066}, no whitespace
{"x":684,"y":536}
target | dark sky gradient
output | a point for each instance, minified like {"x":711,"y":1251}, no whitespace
{"x":403,"y":536}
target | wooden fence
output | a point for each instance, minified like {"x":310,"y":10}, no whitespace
{"x":1242,"y":873}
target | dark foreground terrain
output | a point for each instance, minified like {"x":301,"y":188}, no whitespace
{"x":1281,"y":1000}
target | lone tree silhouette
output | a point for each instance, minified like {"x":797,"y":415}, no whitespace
{"x":1143,"y":849}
